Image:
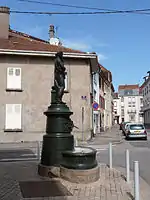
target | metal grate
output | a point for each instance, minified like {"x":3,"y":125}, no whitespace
{"x":36,"y":189}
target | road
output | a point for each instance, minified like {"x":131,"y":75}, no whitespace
{"x":139,"y":150}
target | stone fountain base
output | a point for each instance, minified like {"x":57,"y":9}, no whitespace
{"x":80,"y":176}
{"x":78,"y":166}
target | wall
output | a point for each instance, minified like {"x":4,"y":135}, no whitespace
{"x":108,"y":106}
{"x":37,"y":79}
{"x":146,"y":103}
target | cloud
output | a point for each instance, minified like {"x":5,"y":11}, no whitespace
{"x":36,"y":31}
{"x":101,"y":56}
{"x":77,"y":44}
{"x":87,"y":44}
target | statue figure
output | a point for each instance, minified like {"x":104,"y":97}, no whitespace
{"x":59,"y":76}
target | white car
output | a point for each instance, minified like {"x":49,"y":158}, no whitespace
{"x":126,"y":128}
{"x":136,"y":130}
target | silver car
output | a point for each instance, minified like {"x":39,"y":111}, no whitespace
{"x":136,"y":130}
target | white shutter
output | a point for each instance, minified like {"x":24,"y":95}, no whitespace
{"x":9,"y":116}
{"x":17,"y":116}
{"x":10,"y":78}
{"x":13,"y":116}
{"x":66,"y":82}
{"x":17,"y":78}
{"x":13,"y":78}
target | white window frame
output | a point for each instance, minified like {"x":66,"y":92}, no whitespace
{"x":13,"y":80}
{"x":12,"y":118}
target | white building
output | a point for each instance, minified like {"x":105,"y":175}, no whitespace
{"x":127,"y":106}
{"x":146,"y":100}
{"x":117,"y":110}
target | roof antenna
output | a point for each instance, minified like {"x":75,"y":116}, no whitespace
{"x":56,"y":32}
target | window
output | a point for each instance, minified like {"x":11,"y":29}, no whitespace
{"x":141,"y":100}
{"x":13,"y":78}
{"x":95,"y":78}
{"x":115,"y":103}
{"x":133,"y":99}
{"x":13,"y":117}
{"x":129,"y":100}
{"x":94,"y":95}
{"x":66,"y":82}
{"x":122,"y":100}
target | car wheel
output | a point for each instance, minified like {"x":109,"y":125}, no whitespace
{"x":145,"y":138}
{"x":127,"y":138}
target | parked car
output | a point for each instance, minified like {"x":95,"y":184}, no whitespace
{"x":124,"y":127}
{"x":136,"y":130}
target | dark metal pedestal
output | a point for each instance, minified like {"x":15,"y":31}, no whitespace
{"x":58,"y":136}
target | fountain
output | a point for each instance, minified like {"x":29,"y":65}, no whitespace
{"x":59,"y":156}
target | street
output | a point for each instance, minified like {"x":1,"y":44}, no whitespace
{"x":139,"y":150}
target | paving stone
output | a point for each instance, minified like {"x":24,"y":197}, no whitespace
{"x":110,"y":185}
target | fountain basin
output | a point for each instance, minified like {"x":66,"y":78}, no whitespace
{"x":79,"y":158}
{"x":80,"y":165}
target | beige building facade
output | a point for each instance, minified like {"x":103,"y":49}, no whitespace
{"x":26,"y":70}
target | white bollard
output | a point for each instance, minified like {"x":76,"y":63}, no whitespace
{"x":110,"y":155}
{"x":136,"y":181}
{"x":38,"y":151}
{"x":127,"y":166}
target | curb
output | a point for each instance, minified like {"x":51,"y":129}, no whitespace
{"x":143,"y":184}
{"x":116,"y":142}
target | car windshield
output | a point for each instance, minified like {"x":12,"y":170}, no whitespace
{"x":136,"y":127}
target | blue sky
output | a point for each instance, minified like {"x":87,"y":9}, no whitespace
{"x":122,"y":41}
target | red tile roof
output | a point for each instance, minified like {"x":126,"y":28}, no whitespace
{"x":22,"y":41}
{"x":128,"y":87}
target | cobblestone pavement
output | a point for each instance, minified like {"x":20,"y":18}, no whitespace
{"x":110,"y":186}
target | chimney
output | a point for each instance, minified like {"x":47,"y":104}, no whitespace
{"x":4,"y":22}
{"x":148,"y":73}
{"x":53,"y":40}
{"x":51,"y":31}
{"x":145,"y":78}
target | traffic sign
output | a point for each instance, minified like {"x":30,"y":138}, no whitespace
{"x":95,"y":106}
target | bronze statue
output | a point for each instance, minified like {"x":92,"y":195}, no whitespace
{"x":59,"y":76}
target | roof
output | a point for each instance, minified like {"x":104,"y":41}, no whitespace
{"x":105,"y":72}
{"x":116,"y":95}
{"x":145,"y":83}
{"x":128,"y":87}
{"x":21,"y":41}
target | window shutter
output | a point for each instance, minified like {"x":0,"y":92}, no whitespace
{"x":17,"y":78}
{"x":10,"y":75}
{"x":13,"y":78}
{"x":9,"y":116}
{"x":17,"y":116}
{"x":13,"y":116}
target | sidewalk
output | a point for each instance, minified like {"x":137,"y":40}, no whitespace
{"x":110,"y":186}
{"x":113,"y":135}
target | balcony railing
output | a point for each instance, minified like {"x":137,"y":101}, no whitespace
{"x":131,"y":111}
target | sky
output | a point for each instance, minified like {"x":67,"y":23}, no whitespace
{"x":122,"y":41}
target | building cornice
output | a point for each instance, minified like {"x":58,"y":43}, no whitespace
{"x":46,"y":53}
